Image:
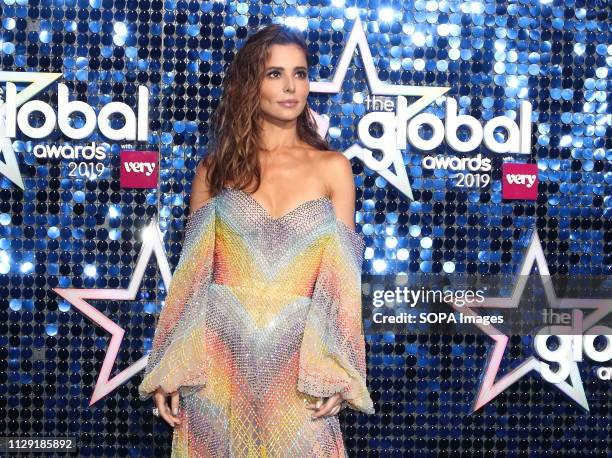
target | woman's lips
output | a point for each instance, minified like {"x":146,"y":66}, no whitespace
{"x":288,"y":104}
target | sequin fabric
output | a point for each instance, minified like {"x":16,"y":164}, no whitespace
{"x":262,"y":317}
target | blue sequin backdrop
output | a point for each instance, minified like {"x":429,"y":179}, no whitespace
{"x":67,"y":231}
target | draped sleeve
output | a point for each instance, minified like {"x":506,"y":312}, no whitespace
{"x":332,"y":352}
{"x":177,"y":358}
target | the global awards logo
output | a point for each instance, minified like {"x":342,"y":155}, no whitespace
{"x":16,"y":108}
{"x":402,"y":125}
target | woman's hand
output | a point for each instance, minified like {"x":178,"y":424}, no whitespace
{"x":328,"y":408}
{"x":169,"y":412}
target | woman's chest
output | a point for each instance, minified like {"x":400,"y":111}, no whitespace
{"x":248,"y":241}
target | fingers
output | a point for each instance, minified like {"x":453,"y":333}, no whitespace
{"x":316,"y":405}
{"x":330,"y":407}
{"x":165,"y":410}
{"x":174,"y":403}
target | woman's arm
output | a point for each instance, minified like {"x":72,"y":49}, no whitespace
{"x":200,"y":191}
{"x":177,"y":357}
{"x":337,"y":172}
{"x":332,"y":354}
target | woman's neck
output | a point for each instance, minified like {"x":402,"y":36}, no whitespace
{"x":276,"y":135}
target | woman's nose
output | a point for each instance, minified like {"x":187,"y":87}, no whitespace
{"x":289,"y":85}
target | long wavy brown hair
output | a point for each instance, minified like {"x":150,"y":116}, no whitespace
{"x":235,"y":124}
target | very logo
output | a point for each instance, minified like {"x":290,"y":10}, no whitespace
{"x":519,"y":181}
{"x":524,"y":179}
{"x":139,"y":169}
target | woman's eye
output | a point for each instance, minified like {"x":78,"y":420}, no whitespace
{"x":273,"y":73}
{"x":302,"y":74}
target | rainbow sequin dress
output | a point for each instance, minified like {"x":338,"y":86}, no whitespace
{"x":262,"y":316}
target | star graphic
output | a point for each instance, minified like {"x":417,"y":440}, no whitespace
{"x":39,"y":81}
{"x":152,"y":242}
{"x":489,"y":386}
{"x":357,"y":40}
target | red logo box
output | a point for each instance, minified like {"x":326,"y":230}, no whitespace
{"x":519,"y":181}
{"x":139,"y":169}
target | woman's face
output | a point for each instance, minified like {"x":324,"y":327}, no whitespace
{"x":284,"y":88}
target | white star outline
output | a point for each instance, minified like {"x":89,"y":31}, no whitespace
{"x":10,"y":168}
{"x":358,"y":39}
{"x":152,"y":243}
{"x":489,"y":388}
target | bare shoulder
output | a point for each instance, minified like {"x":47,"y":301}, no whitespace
{"x":334,"y":159}
{"x":200,"y":192}
{"x":337,"y":172}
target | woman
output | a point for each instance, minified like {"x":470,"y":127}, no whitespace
{"x":260,"y":341}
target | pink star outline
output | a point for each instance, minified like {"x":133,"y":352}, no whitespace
{"x":152,"y":242}
{"x":489,"y":386}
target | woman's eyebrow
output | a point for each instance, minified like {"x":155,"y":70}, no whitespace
{"x":282,"y":68}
